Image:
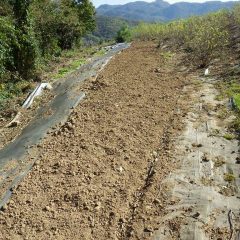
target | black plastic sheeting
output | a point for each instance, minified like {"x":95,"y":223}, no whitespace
{"x":15,"y":160}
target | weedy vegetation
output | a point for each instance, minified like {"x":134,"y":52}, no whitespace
{"x":219,"y":162}
{"x":229,"y":136}
{"x":32,"y":33}
{"x":203,"y":37}
{"x":229,"y":177}
{"x":203,"y":40}
{"x":124,"y":35}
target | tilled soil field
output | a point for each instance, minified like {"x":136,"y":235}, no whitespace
{"x":99,"y":176}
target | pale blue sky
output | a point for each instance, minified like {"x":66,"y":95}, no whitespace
{"x":113,"y":2}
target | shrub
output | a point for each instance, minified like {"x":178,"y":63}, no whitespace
{"x":123,"y":35}
{"x":59,"y":25}
{"x":44,"y":14}
{"x":25,"y":53}
{"x":8,"y":39}
{"x":203,"y":36}
{"x":207,"y":36}
{"x":236,"y":13}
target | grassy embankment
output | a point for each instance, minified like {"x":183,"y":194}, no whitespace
{"x":211,"y":41}
{"x":57,"y":68}
{"x":35,"y":35}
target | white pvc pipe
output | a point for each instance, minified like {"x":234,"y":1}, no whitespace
{"x":37,"y":92}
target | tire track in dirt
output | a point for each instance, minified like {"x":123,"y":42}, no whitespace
{"x":108,"y":159}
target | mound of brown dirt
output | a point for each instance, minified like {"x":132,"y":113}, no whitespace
{"x":99,"y":176}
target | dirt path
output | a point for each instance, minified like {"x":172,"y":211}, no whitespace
{"x":206,"y":185}
{"x":99,"y":176}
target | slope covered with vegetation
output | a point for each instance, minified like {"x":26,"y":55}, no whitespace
{"x":202,"y":37}
{"x":210,"y":41}
{"x":33,"y":31}
{"x":108,"y":27}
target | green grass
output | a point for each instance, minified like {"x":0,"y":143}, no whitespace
{"x":236,"y":98}
{"x":233,"y":90}
{"x":77,"y":63}
{"x":230,"y":88}
{"x":234,"y":87}
{"x":62,"y":72}
{"x":69,"y":53}
{"x":100,"y":53}
{"x":83,"y":54}
{"x":72,"y":60}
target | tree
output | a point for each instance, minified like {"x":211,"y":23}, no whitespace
{"x":26,"y":52}
{"x":7,"y":41}
{"x":45,"y":21}
{"x":5,"y":8}
{"x":86,"y":14}
{"x":62,"y":23}
{"x":124,"y":34}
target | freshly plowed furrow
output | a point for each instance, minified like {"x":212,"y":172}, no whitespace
{"x":99,"y":176}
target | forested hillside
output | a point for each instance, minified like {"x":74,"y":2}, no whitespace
{"x":108,"y":27}
{"x":160,"y":10}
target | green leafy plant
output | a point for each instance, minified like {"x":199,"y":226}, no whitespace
{"x":123,"y":35}
{"x":228,"y":136}
{"x":8,"y":39}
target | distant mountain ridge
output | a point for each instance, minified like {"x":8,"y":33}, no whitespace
{"x":161,"y":10}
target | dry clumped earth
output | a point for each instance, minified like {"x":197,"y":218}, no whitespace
{"x":99,"y":176}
